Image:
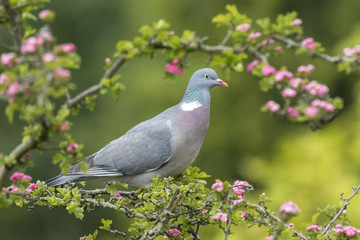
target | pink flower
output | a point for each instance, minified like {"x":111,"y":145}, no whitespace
{"x":269,"y":238}
{"x":293,"y":112}
{"x":240,"y":200}
{"x":107,"y":60}
{"x":313,"y":228}
{"x":14,"y":189}
{"x":288,"y":92}
{"x":241,"y":184}
{"x":289,"y":208}
{"x":350,"y":231}
{"x":4,"y":79}
{"x":268,"y":70}
{"x":243,"y":27}
{"x":295,"y":82}
{"x":315,"y":88}
{"x":327,"y":106}
{"x":204,"y":211}
{"x":46,"y":35}
{"x":13,"y":89}
{"x":7,"y":59}
{"x":72,"y":147}
{"x":165,"y":236}
{"x":252,"y":65}
{"x":244,"y":214}
{"x":174,"y":232}
{"x":278,"y":48}
{"x":48,"y":57}
{"x":272,"y":106}
{"x":218,"y":186}
{"x":311,"y":111}
{"x":348,"y":52}
{"x":307,"y":68}
{"x":338,"y":228}
{"x":297,"y":21}
{"x":117,"y":195}
{"x":174,"y":68}
{"x":281,"y":74}
{"x":308,"y":43}
{"x":64,"y":126}
{"x":18,"y":176}
{"x":30,"y":44}
{"x":31,"y":187}
{"x":68,"y":47}
{"x":220,"y":216}
{"x":291,"y":225}
{"x":62,"y":73}
{"x":44,"y":14}
{"x":254,"y":35}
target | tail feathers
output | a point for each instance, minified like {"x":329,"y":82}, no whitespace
{"x":60,"y":180}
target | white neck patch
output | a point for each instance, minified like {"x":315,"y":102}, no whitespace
{"x":190,"y":106}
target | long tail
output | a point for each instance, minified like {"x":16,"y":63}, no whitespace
{"x":60,"y":180}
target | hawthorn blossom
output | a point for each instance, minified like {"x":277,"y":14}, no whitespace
{"x":44,"y":13}
{"x":62,"y":73}
{"x":218,"y":186}
{"x":72,"y":147}
{"x":307,"y":68}
{"x":278,"y":48}
{"x":296,"y":21}
{"x":220,"y":216}
{"x":243,"y":27}
{"x":268,"y":70}
{"x":293,"y":112}
{"x":14,"y":189}
{"x":64,"y":126}
{"x":272,"y":106}
{"x":315,"y":88}
{"x":4,"y":79}
{"x":7,"y":59}
{"x":308,"y":43}
{"x":295,"y":82}
{"x":311,"y":111}
{"x":252,"y":65}
{"x":350,"y":231}
{"x":244,"y":214}
{"x":46,"y":35}
{"x":281,"y":74}
{"x":30,"y":44}
{"x":174,"y":68}
{"x":204,"y":211}
{"x":18,"y":176}
{"x":269,"y":238}
{"x":254,"y":35}
{"x":174,"y":232}
{"x":240,"y":200}
{"x":31,"y":187}
{"x":338,"y":228}
{"x":13,"y":89}
{"x":49,"y":57}
{"x":68,"y":47}
{"x":327,"y":106}
{"x":288,"y":92}
{"x":289,"y":208}
{"x":117,"y":195}
{"x":313,"y":227}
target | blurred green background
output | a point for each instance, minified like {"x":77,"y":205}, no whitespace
{"x":285,"y":160}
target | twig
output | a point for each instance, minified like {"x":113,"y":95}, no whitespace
{"x":346,"y":202}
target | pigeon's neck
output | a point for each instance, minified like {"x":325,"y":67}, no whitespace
{"x":195,"y":98}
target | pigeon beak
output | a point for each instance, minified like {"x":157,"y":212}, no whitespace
{"x":222,"y":83}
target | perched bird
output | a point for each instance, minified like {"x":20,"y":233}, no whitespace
{"x":166,"y":144}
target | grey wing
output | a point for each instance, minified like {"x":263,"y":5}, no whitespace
{"x":144,"y":148}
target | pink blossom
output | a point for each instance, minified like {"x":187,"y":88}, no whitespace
{"x":174,"y":232}
{"x":62,"y":73}
{"x":291,"y":225}
{"x":350,"y":231}
{"x":254,"y":35}
{"x":14,"y":189}
{"x":307,"y":68}
{"x":240,"y":200}
{"x":288,"y":92}
{"x":297,"y":21}
{"x":46,"y":35}
{"x":281,"y":74}
{"x":311,"y":111}
{"x":313,"y":228}
{"x":204,"y":211}
{"x":49,"y":57}
{"x":293,"y":112}
{"x":31,"y":187}
{"x":348,"y":52}
{"x":289,"y":208}
{"x":30,"y":44}
{"x":278,"y":48}
{"x":267,"y":42}
{"x":18,"y":176}
{"x":64,"y":126}
{"x":308,"y":43}
{"x":329,"y":107}
{"x":295,"y":82}
{"x":13,"y":89}
{"x":220,"y":216}
{"x":165,"y":236}
{"x":7,"y":59}
{"x":68,"y":47}
{"x":252,"y":65}
{"x":243,"y":27}
{"x":269,"y":238}
{"x":315,"y":88}
{"x":218,"y":186}
{"x":45,"y":13}
{"x":272,"y":106}
{"x":27,"y":155}
{"x":268,"y":70}
{"x":244,"y":214}
{"x":4,"y":79}
{"x":338,"y":228}
{"x":107,"y":60}
{"x":174,"y":68}
{"x":117,"y":195}
{"x":72,"y":147}
{"x":241,"y":184}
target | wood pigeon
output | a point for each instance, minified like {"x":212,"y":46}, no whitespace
{"x":166,"y":144}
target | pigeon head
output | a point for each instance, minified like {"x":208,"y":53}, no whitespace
{"x":205,"y":78}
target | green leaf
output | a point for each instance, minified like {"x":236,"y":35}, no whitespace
{"x":74,"y":208}
{"x":106,"y":224}
{"x":122,"y":46}
{"x":84,"y":166}
{"x":188,"y":35}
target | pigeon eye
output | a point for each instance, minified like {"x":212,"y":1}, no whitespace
{"x":206,"y":76}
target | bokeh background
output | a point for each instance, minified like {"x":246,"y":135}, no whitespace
{"x":285,"y":160}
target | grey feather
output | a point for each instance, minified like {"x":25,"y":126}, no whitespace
{"x":166,"y":144}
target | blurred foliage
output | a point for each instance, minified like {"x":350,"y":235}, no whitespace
{"x":283,"y":159}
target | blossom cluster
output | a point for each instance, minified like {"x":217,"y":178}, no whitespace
{"x":289,"y":208}
{"x":347,"y":230}
{"x":174,"y":67}
{"x":18,"y":176}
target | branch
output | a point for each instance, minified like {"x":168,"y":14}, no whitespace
{"x":346,"y":202}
